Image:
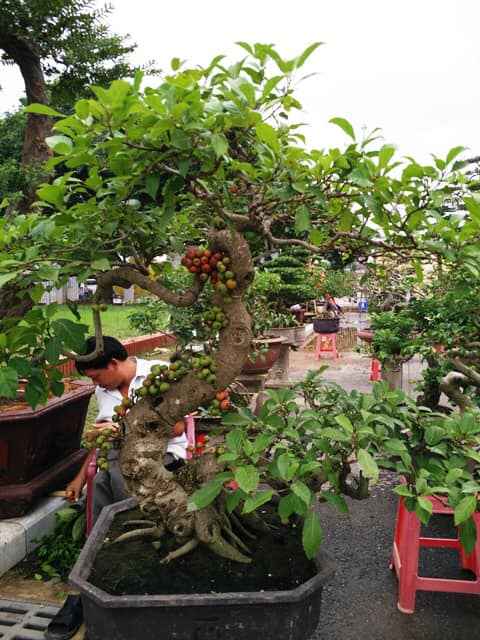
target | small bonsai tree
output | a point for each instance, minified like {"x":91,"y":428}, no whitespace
{"x":197,"y":166}
{"x":297,"y":282}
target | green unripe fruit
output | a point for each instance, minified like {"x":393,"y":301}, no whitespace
{"x":99,"y":441}
{"x":164,"y":387}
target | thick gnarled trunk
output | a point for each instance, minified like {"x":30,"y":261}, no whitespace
{"x":146,"y":428}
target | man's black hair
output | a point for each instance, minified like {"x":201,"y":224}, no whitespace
{"x":112,"y":348}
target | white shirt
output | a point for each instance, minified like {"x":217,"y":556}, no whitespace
{"x":107,"y":400}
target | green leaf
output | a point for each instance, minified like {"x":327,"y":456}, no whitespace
{"x":247,"y":478}
{"x":302,"y":220}
{"x":312,"y":534}
{"x":337,"y":501}
{"x":71,"y":333}
{"x":257,"y":500}
{"x":453,"y":475}
{"x":235,"y":440}
{"x":8,"y":277}
{"x":43,"y":110}
{"x":204,"y":496}
{"x":100,"y":264}
{"x":301,"y":59}
{"x":402,"y":490}
{"x":266,"y":133}
{"x":303,"y":492}
{"x":344,"y":421}
{"x":151,"y":184}
{"x":233,"y":500}
{"x":8,"y":382}
{"x":36,"y":390}
{"x":67,"y":514}
{"x":464,"y":509}
{"x":344,"y":125}
{"x":78,"y":529}
{"x":60,"y":144}
{"x":219,"y":144}
{"x":385,"y":155}
{"x":423,"y":509}
{"x":334,"y":434}
{"x":367,"y":464}
{"x":235,"y":419}
{"x":468,"y":535}
{"x":453,"y":153}
{"x":261,"y":442}
{"x":53,"y":350}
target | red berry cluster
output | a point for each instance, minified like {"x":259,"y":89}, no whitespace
{"x":216,"y":266}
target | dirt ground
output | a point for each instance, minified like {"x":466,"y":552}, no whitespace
{"x":359,"y":603}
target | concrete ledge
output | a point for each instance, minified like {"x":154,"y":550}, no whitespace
{"x":20,"y":536}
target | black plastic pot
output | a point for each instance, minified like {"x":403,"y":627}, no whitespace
{"x":326,"y":325}
{"x":269,"y":615}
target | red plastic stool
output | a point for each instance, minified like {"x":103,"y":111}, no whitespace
{"x":375,"y":369}
{"x":327,"y":343}
{"x":405,"y":555}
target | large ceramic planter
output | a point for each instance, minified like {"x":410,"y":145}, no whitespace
{"x":264,"y":361}
{"x":279,"y":374}
{"x":269,"y":615}
{"x":326,"y":325}
{"x":40,"y":449}
{"x":366,"y":335}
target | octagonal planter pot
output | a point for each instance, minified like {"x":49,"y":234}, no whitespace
{"x":40,"y":448}
{"x":269,"y":615}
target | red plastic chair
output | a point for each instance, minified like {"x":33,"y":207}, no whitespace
{"x":92,"y":466}
{"x":405,"y":556}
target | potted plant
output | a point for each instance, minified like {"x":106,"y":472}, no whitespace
{"x":196,"y":168}
{"x":41,"y":414}
{"x":378,"y":430}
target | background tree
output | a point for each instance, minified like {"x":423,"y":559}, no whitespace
{"x":61,"y":47}
{"x":209,"y":158}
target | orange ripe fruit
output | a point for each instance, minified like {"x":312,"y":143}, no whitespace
{"x":221,"y":395}
{"x":225,"y":405}
{"x":231,"y":284}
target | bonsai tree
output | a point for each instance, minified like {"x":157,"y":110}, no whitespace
{"x":441,"y":325}
{"x":210,"y":165}
{"x":297,"y":282}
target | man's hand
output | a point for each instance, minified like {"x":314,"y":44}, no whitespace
{"x":106,"y":425}
{"x":74,"y":489}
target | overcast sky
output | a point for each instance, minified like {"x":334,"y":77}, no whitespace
{"x":408,"y":67}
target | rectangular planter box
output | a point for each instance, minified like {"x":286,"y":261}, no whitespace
{"x":40,"y":449}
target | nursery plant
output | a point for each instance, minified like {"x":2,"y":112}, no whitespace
{"x":212,"y":165}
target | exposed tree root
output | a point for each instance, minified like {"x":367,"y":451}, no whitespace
{"x":140,"y":533}
{"x":181,"y":551}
